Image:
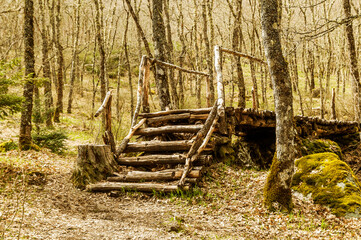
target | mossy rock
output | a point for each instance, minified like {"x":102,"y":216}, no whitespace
{"x":328,"y":181}
{"x":319,"y":146}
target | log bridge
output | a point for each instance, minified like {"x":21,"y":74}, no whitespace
{"x":177,"y":144}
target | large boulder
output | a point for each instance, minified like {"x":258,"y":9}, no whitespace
{"x":312,"y":146}
{"x":330,"y":182}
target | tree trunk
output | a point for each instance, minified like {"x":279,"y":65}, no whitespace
{"x":159,"y":38}
{"x":353,"y":59}
{"x":100,"y":39}
{"x":277,"y":191}
{"x":76,"y":30}
{"x":94,"y":163}
{"x":46,"y":68}
{"x":29,"y":59}
{"x":209,"y":58}
{"x":60,"y":63}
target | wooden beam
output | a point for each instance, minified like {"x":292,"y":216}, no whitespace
{"x":168,"y":129}
{"x":143,"y":187}
{"x":104,"y":104}
{"x":160,"y":146}
{"x":175,"y":111}
{"x":161,"y":159}
{"x":252,"y":58}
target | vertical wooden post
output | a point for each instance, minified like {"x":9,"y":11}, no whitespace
{"x":140,"y":90}
{"x":254,"y":100}
{"x":146,"y":108}
{"x":333,"y":105}
{"x":220,"y":90}
{"x":108,"y":137}
{"x":208,"y":91}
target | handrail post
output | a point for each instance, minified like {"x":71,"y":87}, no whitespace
{"x":220,"y":90}
{"x":140,"y":90}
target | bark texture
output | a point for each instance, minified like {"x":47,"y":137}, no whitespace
{"x":25,"y":140}
{"x":353,"y":59}
{"x":159,"y":38}
{"x":277,"y":192}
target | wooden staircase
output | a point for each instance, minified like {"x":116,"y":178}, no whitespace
{"x":174,"y":153}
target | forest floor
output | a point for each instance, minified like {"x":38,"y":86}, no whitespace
{"x":226,"y":205}
{"x":38,"y":201}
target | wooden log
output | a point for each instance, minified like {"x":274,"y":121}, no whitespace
{"x":140,"y":90}
{"x":333,"y":104}
{"x":146,"y":75}
{"x":136,"y":176}
{"x":104,"y":104}
{"x":143,"y":187}
{"x":199,"y":116}
{"x":126,"y":140}
{"x":94,"y":163}
{"x":175,"y":111}
{"x":161,"y":159}
{"x":168,"y":129}
{"x":167,"y":118}
{"x":220,"y":91}
{"x":252,"y":58}
{"x":178,"y":67}
{"x":159,"y":146}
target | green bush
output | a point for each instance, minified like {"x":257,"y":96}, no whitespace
{"x":10,"y":75}
{"x":8,"y":146}
{"x":54,"y":140}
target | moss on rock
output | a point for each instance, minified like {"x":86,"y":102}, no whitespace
{"x":319,"y":146}
{"x":329,"y":181}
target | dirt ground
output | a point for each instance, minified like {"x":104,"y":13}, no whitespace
{"x":226,"y":205}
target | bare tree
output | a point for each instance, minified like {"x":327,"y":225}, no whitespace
{"x":60,"y":61}
{"x":25,"y":140}
{"x":159,"y":38}
{"x":353,"y":59}
{"x":277,"y":192}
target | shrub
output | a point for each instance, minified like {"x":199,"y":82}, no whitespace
{"x":8,"y":146}
{"x":54,"y":140}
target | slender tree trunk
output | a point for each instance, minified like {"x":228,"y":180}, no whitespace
{"x":75,"y":54}
{"x":277,"y":192}
{"x":353,"y":59}
{"x":25,"y":140}
{"x":169,"y":47}
{"x":100,"y":39}
{"x":159,"y":38}
{"x":209,"y":58}
{"x":46,"y":68}
{"x":60,"y":63}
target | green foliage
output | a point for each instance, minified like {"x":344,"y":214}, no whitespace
{"x":329,"y":181}
{"x":8,"y":146}
{"x":10,"y":75}
{"x":54,"y":140}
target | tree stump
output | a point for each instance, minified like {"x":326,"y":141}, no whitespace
{"x":94,"y":163}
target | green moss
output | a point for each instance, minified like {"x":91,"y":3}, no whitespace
{"x":329,"y":181}
{"x":319,"y":146}
{"x":226,"y":154}
{"x":8,"y":145}
{"x":276,"y":196}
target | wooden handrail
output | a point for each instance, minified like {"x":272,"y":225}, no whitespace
{"x":252,"y":58}
{"x":200,"y":142}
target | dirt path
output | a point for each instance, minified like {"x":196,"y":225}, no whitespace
{"x":228,"y":205}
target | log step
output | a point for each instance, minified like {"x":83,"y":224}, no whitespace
{"x":174,"y":117}
{"x":161,"y":159}
{"x":162,"y":146}
{"x":142,"y":187}
{"x":175,"y":111}
{"x":168,"y":129}
{"x":169,"y":174}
